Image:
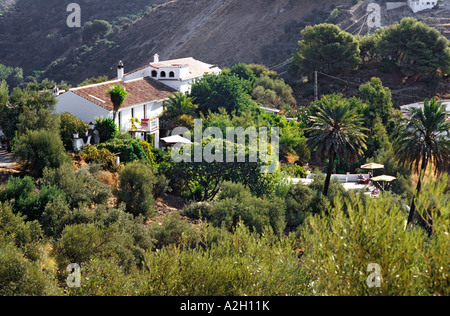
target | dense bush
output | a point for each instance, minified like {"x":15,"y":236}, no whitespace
{"x":106,"y":128}
{"x":136,"y":187}
{"x":80,"y":186}
{"x":236,"y":203}
{"x":23,"y":271}
{"x":70,"y":124}
{"x":298,"y":200}
{"x":107,"y":159}
{"x":359,"y":231}
{"x":129,"y":149}
{"x":40,"y":149}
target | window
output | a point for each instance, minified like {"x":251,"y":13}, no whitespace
{"x":154,"y":74}
{"x":172,"y":74}
{"x":163,"y":74}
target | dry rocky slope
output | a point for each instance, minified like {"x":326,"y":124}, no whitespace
{"x":221,"y":32}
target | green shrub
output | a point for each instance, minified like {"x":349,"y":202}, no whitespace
{"x":22,"y":195}
{"x":360,"y":230}
{"x":136,"y":187}
{"x":236,"y":203}
{"x":107,"y":159}
{"x":80,"y":187}
{"x":198,"y":210}
{"x":128,"y":149}
{"x":106,"y":128}
{"x":40,"y":149}
{"x":223,"y":264}
{"x":70,"y":124}
{"x":298,"y":200}
{"x":170,"y":231}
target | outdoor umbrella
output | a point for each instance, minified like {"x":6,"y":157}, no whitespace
{"x":372,"y":166}
{"x":176,"y":139}
{"x":384,"y":179}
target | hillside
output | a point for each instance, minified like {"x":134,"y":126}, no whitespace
{"x":221,"y":32}
{"x":34,"y":35}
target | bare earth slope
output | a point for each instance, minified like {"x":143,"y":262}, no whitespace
{"x":221,"y":32}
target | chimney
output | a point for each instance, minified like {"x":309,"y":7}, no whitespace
{"x":120,"y":70}
{"x":156,"y":58}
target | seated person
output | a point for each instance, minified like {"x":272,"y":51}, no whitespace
{"x":360,"y":179}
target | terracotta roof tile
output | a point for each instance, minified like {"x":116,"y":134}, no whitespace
{"x":140,"y":91}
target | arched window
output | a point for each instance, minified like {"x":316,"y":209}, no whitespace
{"x":172,"y":74}
{"x":154,"y":74}
{"x":163,"y":74}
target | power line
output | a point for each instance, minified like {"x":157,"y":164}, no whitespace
{"x":357,"y":21}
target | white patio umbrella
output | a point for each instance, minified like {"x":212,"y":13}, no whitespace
{"x":372,"y":166}
{"x":384,"y":179}
{"x":176,"y":139}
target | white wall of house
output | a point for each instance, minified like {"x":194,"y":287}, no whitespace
{"x":420,"y":5}
{"x":148,"y":110}
{"x":79,"y":107}
{"x":88,"y":111}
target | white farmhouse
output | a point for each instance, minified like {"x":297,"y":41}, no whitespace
{"x":176,"y":73}
{"x":420,"y":5}
{"x":148,"y":87}
{"x":415,"y":5}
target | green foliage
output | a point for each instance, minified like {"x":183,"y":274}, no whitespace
{"x":222,"y":91}
{"x":81,"y":187}
{"x":171,"y":231}
{"x":107,"y":159}
{"x":94,"y":80}
{"x":95,"y":30}
{"x":226,"y":265}
{"x":179,"y":104}
{"x":236,"y":203}
{"x":69,"y":125}
{"x":106,"y":128}
{"x":416,"y":48}
{"x":273,"y":92}
{"x":336,"y":132}
{"x":136,"y":187}
{"x":379,"y":100}
{"x":298,"y":200}
{"x":200,"y":180}
{"x":117,"y":93}
{"x":359,"y":231}
{"x":40,"y":149}
{"x":21,"y":271}
{"x":27,"y":109}
{"x":293,"y":140}
{"x":326,"y":48}
{"x":26,"y":199}
{"x":129,"y":149}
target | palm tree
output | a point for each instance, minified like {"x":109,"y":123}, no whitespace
{"x":423,"y":137}
{"x":336,"y":131}
{"x":179,"y":104}
{"x":117,"y":94}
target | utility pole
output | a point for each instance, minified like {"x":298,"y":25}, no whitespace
{"x":316,"y":88}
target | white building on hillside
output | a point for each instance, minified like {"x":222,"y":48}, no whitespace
{"x":148,"y":87}
{"x":178,"y":74}
{"x":420,"y":5}
{"x":415,"y":5}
